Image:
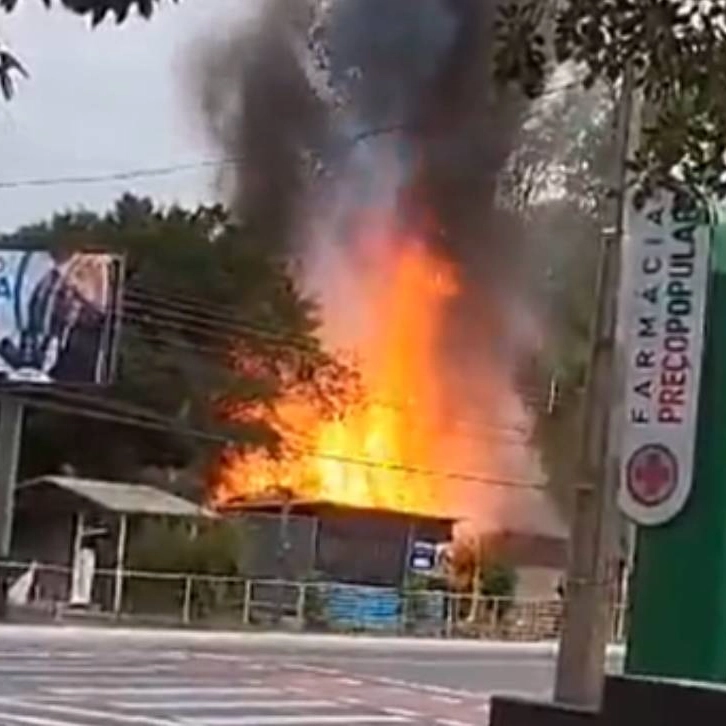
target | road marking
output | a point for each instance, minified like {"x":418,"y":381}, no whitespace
{"x":315,"y":669}
{"x":405,"y":712}
{"x":437,"y":689}
{"x":76,"y":711}
{"x":222,"y":705}
{"x":135,"y":683}
{"x":303,"y":720}
{"x":350,"y":681}
{"x":392,"y":681}
{"x":164,"y":691}
{"x":225,"y":657}
{"x":82,"y":670}
{"x":351,"y":701}
{"x":418,"y":687}
{"x":446,"y":699}
{"x":452,"y":722}
{"x":34,"y":720}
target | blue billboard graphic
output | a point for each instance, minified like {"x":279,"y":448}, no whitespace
{"x":59,"y":316}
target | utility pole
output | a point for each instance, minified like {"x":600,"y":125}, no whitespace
{"x":11,"y":425}
{"x":591,"y":569}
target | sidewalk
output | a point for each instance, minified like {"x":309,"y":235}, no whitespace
{"x":546,"y":649}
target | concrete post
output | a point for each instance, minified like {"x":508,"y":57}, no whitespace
{"x":11,"y":425}
{"x":119,"y":571}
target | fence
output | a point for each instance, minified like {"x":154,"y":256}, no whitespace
{"x":190,"y":599}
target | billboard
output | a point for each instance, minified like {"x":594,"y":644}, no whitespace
{"x":663,"y":304}
{"x":59,"y":316}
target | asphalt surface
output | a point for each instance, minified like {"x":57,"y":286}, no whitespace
{"x":82,"y":677}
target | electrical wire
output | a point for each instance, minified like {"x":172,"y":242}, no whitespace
{"x":462,"y":429}
{"x":220,"y":163}
{"x":78,"y":404}
{"x":216,"y":354}
{"x":186,"y":318}
{"x":183,"y":307}
{"x":206,"y":323}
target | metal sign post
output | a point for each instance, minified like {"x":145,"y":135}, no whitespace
{"x":11,"y":425}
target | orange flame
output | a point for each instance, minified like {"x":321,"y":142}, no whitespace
{"x":380,"y":450}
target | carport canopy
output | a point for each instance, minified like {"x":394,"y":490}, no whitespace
{"x":120,"y":497}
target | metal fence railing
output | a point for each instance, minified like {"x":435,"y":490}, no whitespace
{"x":191,"y":599}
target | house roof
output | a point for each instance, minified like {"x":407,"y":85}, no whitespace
{"x":122,"y":497}
{"x":322,"y":507}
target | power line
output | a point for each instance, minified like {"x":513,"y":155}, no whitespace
{"x":78,"y":404}
{"x":217,"y":352}
{"x":462,"y":429}
{"x":220,"y":163}
{"x":130,"y":175}
{"x":154,"y":309}
{"x":163,"y":311}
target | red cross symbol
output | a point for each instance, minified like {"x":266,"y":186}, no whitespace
{"x":652,"y":474}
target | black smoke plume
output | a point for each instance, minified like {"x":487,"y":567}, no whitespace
{"x":286,"y":94}
{"x":421,"y":66}
{"x":291,"y":95}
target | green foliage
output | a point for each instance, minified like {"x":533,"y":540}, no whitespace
{"x":315,"y":600}
{"x":498,"y":580}
{"x":213,"y":322}
{"x":676,"y":50}
{"x":415,"y":582}
{"x":170,"y":546}
{"x":97,"y":10}
{"x":556,"y":184}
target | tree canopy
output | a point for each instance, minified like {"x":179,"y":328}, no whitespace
{"x":212,"y":321}
{"x":95,"y":10}
{"x":555,"y":181}
{"x":676,"y":50}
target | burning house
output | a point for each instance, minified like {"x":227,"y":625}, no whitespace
{"x":337,"y":543}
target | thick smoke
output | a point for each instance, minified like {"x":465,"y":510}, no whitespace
{"x":421,"y":65}
{"x":263,"y":111}
{"x":312,"y":83}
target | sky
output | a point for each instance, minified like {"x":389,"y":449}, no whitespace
{"x":112,"y":99}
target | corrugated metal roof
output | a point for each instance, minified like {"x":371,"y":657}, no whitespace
{"x":313,"y":507}
{"x":124,"y":498}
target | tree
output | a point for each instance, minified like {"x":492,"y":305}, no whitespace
{"x":96,"y":10}
{"x":676,"y":50}
{"x":556,"y":185}
{"x":213,"y":324}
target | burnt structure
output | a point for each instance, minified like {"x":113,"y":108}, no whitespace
{"x":329,"y":541}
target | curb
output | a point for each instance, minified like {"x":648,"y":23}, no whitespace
{"x":546,"y":649}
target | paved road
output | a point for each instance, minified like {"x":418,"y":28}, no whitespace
{"x":80,"y":677}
